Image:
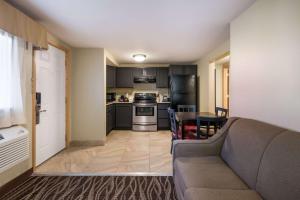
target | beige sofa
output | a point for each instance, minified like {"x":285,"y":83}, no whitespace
{"x":246,"y":159}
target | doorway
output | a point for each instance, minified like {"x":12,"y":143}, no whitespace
{"x":221,"y":81}
{"x":50,"y":134}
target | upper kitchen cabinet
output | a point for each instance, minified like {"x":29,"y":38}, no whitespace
{"x":162,"y":77}
{"x":110,"y":76}
{"x":124,"y":77}
{"x":183,"y":69}
{"x":137,"y":72}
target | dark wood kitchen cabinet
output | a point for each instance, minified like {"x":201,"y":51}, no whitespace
{"x":162,"y":77}
{"x":123,"y":116}
{"x":110,"y":76}
{"x":163,"y":122}
{"x":137,"y":72}
{"x":183,"y":70}
{"x":110,"y":118}
{"x":124,"y":77}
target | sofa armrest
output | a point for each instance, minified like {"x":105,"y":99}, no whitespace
{"x":197,"y":148}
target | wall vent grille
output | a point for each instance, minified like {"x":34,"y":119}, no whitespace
{"x":14,"y":147}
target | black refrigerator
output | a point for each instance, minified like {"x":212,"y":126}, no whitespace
{"x":183,"y":90}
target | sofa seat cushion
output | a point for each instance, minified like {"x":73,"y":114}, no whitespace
{"x":205,"y":172}
{"x":220,"y":194}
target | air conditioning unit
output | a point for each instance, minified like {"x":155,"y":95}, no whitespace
{"x":14,"y":146}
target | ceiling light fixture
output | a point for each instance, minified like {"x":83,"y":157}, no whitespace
{"x":139,"y":57}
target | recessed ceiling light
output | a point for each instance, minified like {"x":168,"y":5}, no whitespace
{"x":139,"y":57}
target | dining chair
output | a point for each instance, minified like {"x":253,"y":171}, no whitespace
{"x":186,"y":108}
{"x":190,"y":126}
{"x":222,"y":114}
{"x":176,"y":130}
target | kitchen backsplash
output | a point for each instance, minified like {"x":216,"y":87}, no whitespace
{"x":129,"y":92}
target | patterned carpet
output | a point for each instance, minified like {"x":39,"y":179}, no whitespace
{"x":94,"y":187}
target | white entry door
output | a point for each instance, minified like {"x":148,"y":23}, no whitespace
{"x":50,"y":83}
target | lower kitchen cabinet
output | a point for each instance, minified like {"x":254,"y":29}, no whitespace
{"x":119,"y":116}
{"x":163,"y":122}
{"x":124,"y":116}
{"x":110,"y":118}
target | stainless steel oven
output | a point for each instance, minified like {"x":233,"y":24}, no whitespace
{"x":144,"y":115}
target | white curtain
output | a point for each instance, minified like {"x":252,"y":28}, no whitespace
{"x":11,"y":80}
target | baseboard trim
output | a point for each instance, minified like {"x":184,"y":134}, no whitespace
{"x":102,"y":174}
{"x":87,"y":143}
{"x":16,"y":181}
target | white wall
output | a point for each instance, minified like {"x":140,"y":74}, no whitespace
{"x":88,"y":96}
{"x":265,"y":67}
{"x":206,"y":73}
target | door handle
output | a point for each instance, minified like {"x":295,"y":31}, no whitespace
{"x":42,"y":111}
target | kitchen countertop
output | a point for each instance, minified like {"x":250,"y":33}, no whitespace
{"x":114,"y":102}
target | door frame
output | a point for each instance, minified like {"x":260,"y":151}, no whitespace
{"x":67,"y":97}
{"x":215,"y":87}
{"x":225,"y":77}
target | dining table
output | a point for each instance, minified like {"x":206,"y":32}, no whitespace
{"x":206,"y":118}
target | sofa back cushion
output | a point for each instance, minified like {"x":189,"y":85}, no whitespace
{"x":244,"y":147}
{"x":279,"y":172}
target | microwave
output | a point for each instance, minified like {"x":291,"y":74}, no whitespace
{"x":110,"y":97}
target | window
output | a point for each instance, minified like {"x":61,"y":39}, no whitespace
{"x":11,"y":61}
{"x":5,"y":75}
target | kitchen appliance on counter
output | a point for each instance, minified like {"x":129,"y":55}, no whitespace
{"x":144,"y":112}
{"x":123,"y":99}
{"x":110,"y":97}
{"x":165,"y":99}
{"x":183,"y":90}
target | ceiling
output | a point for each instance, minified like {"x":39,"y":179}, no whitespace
{"x":167,"y":31}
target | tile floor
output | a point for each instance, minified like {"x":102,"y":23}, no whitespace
{"x":124,"y":152}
